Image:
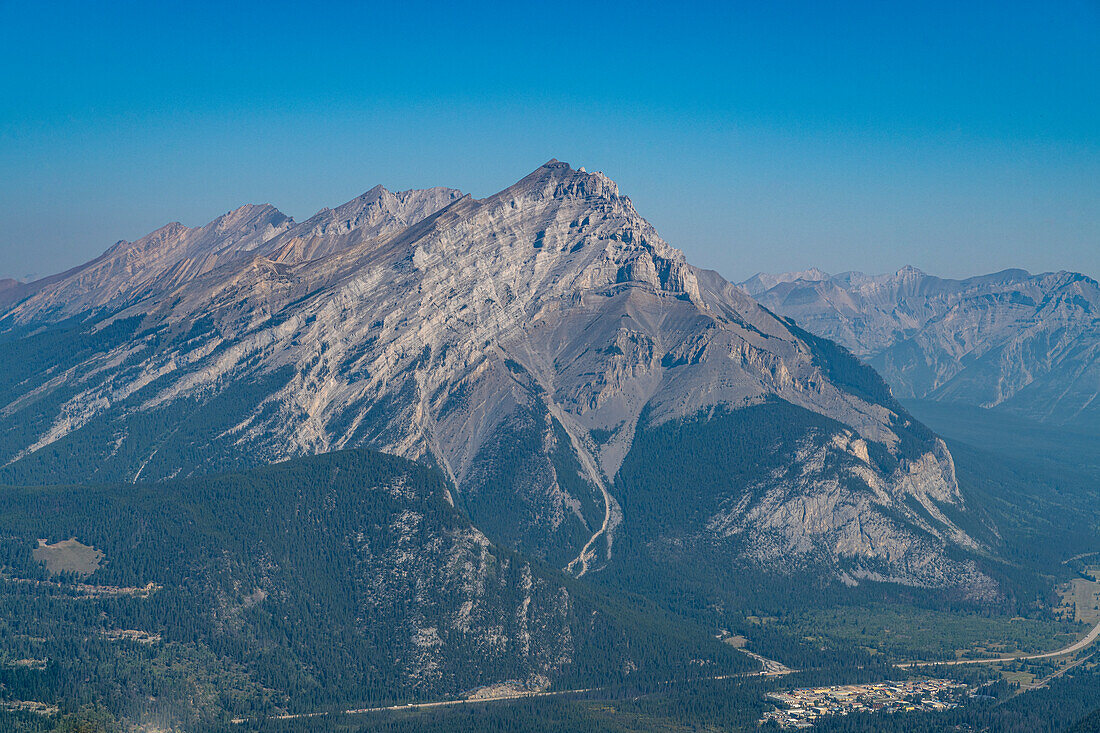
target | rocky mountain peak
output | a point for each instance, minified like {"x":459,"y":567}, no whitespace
{"x":373,"y":216}
{"x":558,"y":230}
{"x":164,"y":236}
{"x":520,"y":342}
{"x":247,"y":222}
{"x":908,"y":272}
{"x":251,"y":217}
{"x":380,"y":206}
{"x":762,"y":281}
{"x":557,"y":179}
{"x":129,"y":271}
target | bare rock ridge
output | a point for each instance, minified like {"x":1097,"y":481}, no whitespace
{"x":170,"y":255}
{"x":764,"y":281}
{"x":528,"y":344}
{"x":175,"y":254}
{"x":1030,"y":343}
{"x":375,"y":214}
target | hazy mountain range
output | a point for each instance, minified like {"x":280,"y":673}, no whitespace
{"x":1023,"y":342}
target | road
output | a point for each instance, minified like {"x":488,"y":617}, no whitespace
{"x":1079,"y":557}
{"x":1077,"y":646}
{"x":771,"y":668}
{"x":415,"y":705}
{"x":1043,"y":682}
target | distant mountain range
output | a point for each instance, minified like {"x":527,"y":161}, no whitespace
{"x":533,"y":345}
{"x":1012,"y":340}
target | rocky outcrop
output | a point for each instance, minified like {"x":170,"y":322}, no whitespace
{"x":798,"y":511}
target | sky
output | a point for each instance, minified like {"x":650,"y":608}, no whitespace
{"x":961,"y":138}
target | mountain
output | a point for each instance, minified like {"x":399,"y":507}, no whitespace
{"x":763,"y":281}
{"x":172,"y":254}
{"x":175,"y":254}
{"x":581,"y":386}
{"x":344,"y":579}
{"x":377,"y":213}
{"x":1021,"y":342}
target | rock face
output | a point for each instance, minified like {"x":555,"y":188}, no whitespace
{"x":763,"y":281}
{"x":377,"y":213}
{"x":520,"y":342}
{"x":1030,"y":343}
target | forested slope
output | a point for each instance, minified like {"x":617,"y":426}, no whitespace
{"x":341,"y":580}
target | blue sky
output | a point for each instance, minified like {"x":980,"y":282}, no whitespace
{"x":958,"y":137}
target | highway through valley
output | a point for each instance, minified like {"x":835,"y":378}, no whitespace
{"x":770,"y":668}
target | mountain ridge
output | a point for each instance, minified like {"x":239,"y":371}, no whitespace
{"x":174,"y":254}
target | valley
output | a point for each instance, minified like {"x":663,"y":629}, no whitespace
{"x":770,"y":668}
{"x":885,"y":698}
{"x":903,"y":633}
{"x":1081,"y":644}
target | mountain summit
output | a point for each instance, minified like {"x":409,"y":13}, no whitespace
{"x":547,"y":350}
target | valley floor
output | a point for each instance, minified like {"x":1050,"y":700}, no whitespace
{"x":1077,"y":646}
{"x":769,"y":669}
